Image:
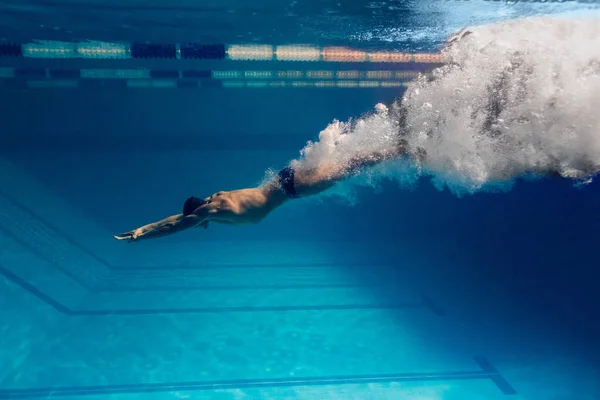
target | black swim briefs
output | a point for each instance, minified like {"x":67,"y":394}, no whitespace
{"x":286,"y":180}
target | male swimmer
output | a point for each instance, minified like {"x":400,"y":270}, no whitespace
{"x":250,"y":206}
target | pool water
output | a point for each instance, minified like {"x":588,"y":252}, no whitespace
{"x":376,"y":290}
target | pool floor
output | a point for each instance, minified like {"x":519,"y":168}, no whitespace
{"x":79,"y":326}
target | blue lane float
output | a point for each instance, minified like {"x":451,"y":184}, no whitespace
{"x":10,"y":50}
{"x":141,"y":51}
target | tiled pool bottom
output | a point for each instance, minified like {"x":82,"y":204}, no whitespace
{"x":378,"y":353}
{"x":237,"y":331}
{"x":241,"y":352}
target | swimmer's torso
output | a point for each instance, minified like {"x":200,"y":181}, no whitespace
{"x":245,"y":206}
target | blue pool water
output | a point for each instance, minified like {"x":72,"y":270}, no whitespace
{"x":424,"y":281}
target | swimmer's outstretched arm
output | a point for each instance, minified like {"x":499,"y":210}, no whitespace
{"x":170,"y":225}
{"x":167,"y":226}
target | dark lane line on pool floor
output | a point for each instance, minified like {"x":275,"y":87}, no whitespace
{"x":195,"y":310}
{"x":487,"y":372}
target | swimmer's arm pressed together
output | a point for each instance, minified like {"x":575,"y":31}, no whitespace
{"x":167,"y":226}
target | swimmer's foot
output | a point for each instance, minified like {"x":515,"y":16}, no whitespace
{"x":458,"y":36}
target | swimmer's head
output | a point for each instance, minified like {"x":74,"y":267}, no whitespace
{"x":191,"y":205}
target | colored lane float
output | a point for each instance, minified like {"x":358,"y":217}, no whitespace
{"x":195,"y":51}
{"x":142,"y":73}
{"x":18,"y":78}
{"x":403,"y":66}
{"x":183,"y":84}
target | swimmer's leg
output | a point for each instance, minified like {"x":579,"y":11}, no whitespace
{"x":366,"y":160}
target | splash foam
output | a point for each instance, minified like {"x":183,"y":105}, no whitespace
{"x":513,"y":99}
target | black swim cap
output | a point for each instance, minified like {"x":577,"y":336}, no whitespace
{"x":191,"y":204}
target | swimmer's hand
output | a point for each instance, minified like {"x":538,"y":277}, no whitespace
{"x":128,"y":236}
